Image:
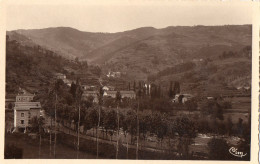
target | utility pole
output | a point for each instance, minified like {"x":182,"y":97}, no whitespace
{"x":40,"y":140}
{"x":98,"y":128}
{"x":55,"y":126}
{"x":117,"y":143}
{"x":78,"y":101}
{"x":101,"y":92}
{"x":137,"y":129}
{"x":78,"y":133}
{"x":118,"y":99}
{"x":50,"y":136}
{"x":126,"y":148}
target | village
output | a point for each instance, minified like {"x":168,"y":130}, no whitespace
{"x":28,"y":113}
{"x":25,"y":108}
{"x":128,"y":85}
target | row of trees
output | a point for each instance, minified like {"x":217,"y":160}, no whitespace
{"x":134,"y":122}
{"x":183,"y":128}
{"x":155,"y":91}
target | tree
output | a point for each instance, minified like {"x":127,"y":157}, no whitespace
{"x":159,"y":92}
{"x":145,"y":123}
{"x":139,"y":95}
{"x":73,"y":89}
{"x":218,"y":149}
{"x":100,"y":98}
{"x":129,"y":86}
{"x":244,"y":144}
{"x":229,"y":125}
{"x":134,"y":86}
{"x":131,"y":119}
{"x":212,"y":108}
{"x":77,"y":60}
{"x":170,"y":90}
{"x":37,"y":127}
{"x":176,"y":88}
{"x":84,"y":66}
{"x":159,"y":125}
{"x":118,"y":100}
{"x":180,"y":98}
{"x":191,"y":105}
{"x":154,"y":91}
{"x":13,"y":152}
{"x":240,"y":127}
{"x":10,"y":106}
{"x":78,"y":95}
{"x":125,"y":129}
{"x":185,"y":127}
{"x":110,"y":122}
{"x":57,"y":90}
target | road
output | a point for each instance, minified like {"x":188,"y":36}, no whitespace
{"x":66,"y":130}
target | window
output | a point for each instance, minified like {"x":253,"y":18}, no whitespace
{"x":22,"y":114}
{"x":22,"y":121}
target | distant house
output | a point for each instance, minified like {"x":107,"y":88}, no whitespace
{"x":128,"y":94}
{"x":93,"y":94}
{"x":25,"y":97}
{"x":84,"y":87}
{"x":24,"y":110}
{"x":238,"y":88}
{"x":108,"y":88}
{"x":105,"y":88}
{"x":124,"y":94}
{"x":182,"y":97}
{"x":243,"y":88}
{"x":67,"y":81}
{"x":111,"y":88}
{"x":114,"y":74}
{"x":60,"y":76}
{"x":246,"y":88}
{"x":89,"y":87}
{"x":110,"y":94}
{"x":210,"y":98}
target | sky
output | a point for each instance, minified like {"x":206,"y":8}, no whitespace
{"x":122,"y":17}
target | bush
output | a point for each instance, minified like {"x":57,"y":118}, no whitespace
{"x":218,"y":149}
{"x":13,"y":152}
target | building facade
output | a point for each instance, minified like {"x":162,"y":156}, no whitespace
{"x":110,"y":94}
{"x":128,"y":94}
{"x":26,"y":97}
{"x":24,"y":110}
{"x":60,"y":76}
{"x":124,"y":94}
{"x":93,"y":94}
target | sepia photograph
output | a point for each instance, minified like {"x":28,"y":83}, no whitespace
{"x":128,"y":81}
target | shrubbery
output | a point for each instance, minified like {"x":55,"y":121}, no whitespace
{"x":13,"y":152}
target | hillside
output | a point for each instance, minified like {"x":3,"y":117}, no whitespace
{"x":97,"y":46}
{"x":146,"y":52}
{"x":34,"y":68}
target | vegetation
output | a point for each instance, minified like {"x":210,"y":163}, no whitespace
{"x":13,"y":152}
{"x":151,"y":114}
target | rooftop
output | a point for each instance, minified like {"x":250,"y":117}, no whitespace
{"x":25,"y":94}
{"x":127,"y":92}
{"x":11,"y":100}
{"x":111,"y":92}
{"x":87,"y":92}
{"x":22,"y":105}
